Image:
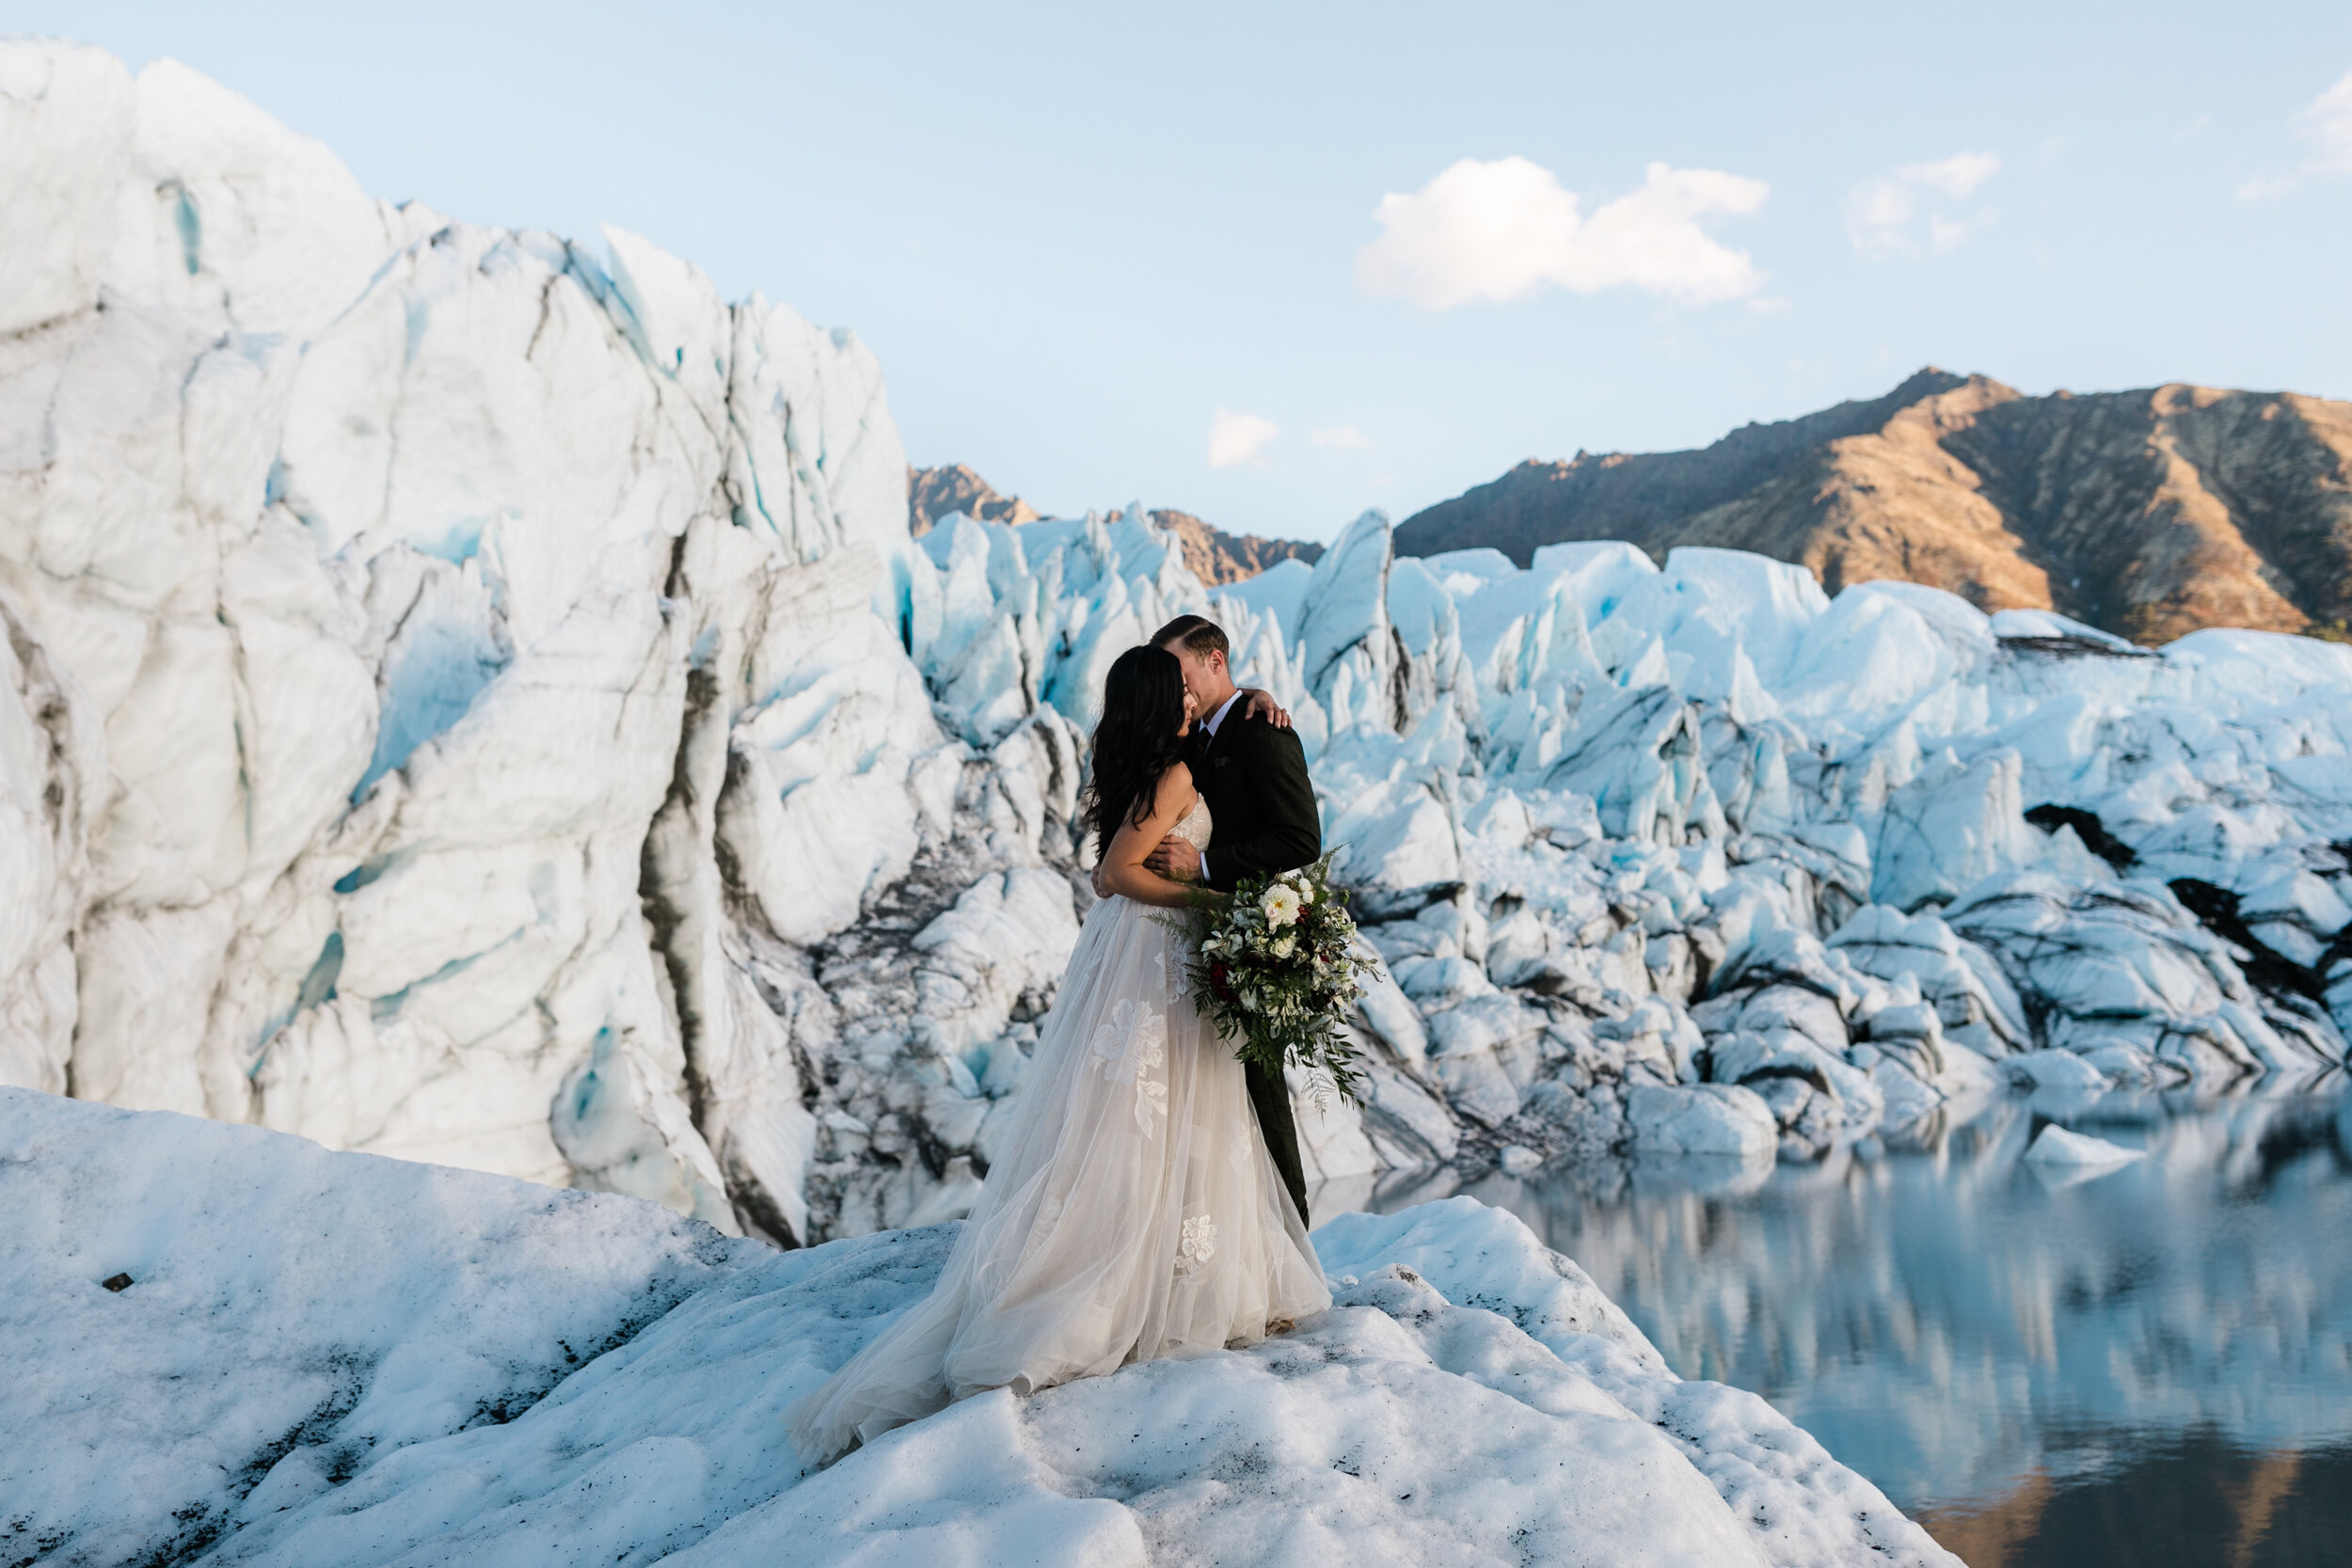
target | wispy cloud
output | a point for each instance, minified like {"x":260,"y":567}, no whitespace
{"x":1238,"y":438}
{"x":1918,"y":209}
{"x":2326,"y":125}
{"x":2323,"y":126}
{"x":1502,"y":231}
{"x":1347,"y":438}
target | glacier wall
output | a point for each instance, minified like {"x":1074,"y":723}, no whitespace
{"x":475,"y":700}
{"x":386,"y":597}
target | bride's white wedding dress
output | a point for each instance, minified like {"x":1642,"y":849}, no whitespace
{"x":1135,"y":1212}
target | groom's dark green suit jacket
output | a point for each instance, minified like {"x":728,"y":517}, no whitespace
{"x":1262,"y":821}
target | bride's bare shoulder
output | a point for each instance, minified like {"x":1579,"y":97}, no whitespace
{"x":1177,"y":791}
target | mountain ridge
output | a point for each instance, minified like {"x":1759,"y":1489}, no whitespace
{"x":1213,"y":555}
{"x":2150,"y":513}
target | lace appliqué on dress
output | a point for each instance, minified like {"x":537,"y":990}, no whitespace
{"x":1196,"y":1245}
{"x":1128,"y":1045}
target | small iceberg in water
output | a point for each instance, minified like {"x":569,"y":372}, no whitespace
{"x":2056,"y":1146}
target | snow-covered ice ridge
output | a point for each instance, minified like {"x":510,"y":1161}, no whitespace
{"x":470,"y":699}
{"x":334,"y":1359}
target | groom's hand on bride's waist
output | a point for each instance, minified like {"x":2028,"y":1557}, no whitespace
{"x":1176,"y":858}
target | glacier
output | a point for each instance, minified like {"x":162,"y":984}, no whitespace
{"x":460,"y":1368}
{"x":472,"y":697}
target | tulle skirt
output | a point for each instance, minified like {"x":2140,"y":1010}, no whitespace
{"x":1135,"y":1213}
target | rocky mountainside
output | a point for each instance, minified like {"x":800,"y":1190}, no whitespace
{"x":2148,"y":513}
{"x":1209,"y":552}
{"x":1217,"y":556}
{"x":937,"y":492}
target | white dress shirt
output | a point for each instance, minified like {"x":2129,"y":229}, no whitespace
{"x":1214,"y":720}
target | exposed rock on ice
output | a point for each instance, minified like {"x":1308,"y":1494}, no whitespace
{"x":469,"y":697}
{"x":466,"y":1368}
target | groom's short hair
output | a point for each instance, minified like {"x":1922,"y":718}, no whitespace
{"x":1198,"y":634}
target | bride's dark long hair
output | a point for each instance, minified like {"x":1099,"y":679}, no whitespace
{"x":1140,"y":737}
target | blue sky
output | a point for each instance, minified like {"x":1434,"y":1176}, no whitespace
{"x":1415,"y":244}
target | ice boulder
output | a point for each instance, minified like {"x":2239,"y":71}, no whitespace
{"x":2056,"y":1146}
{"x":1701,"y":1118}
{"x":1482,"y":1256}
{"x":2054,"y":1069}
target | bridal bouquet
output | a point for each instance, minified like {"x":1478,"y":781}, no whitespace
{"x":1279,"y":967}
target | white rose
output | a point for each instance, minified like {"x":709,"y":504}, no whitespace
{"x":1282,"y":947}
{"x":1280,"y":904}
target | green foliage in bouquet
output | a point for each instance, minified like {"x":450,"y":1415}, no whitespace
{"x":1279,"y":967}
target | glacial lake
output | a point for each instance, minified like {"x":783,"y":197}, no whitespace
{"x":2151,"y":1366}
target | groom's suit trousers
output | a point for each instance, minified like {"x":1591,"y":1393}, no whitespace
{"x":1263,"y":805}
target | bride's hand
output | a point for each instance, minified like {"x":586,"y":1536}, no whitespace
{"x":1257,"y":701}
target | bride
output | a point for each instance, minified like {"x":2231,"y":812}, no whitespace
{"x":1137,"y":1214}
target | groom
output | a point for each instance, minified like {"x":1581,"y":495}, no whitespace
{"x":1253,"y":774}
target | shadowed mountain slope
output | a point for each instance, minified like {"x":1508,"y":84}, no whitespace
{"x":937,"y":492}
{"x":1209,"y":552}
{"x":2149,"y":512}
{"x":1216,"y":555}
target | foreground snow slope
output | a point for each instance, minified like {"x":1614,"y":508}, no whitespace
{"x":336,"y":1359}
{"x":472,"y":698}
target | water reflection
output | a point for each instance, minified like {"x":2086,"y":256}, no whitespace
{"x":2150,"y":1364}
{"x":2191,"y":1499}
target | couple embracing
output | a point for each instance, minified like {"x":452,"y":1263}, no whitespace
{"x":1151,"y":1200}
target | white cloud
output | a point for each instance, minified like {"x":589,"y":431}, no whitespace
{"x":1957,"y":176}
{"x":1498,"y":231}
{"x":1347,"y":438}
{"x":2323,"y":125}
{"x":1238,"y":438}
{"x":2326,"y":123}
{"x":1895,"y":215}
